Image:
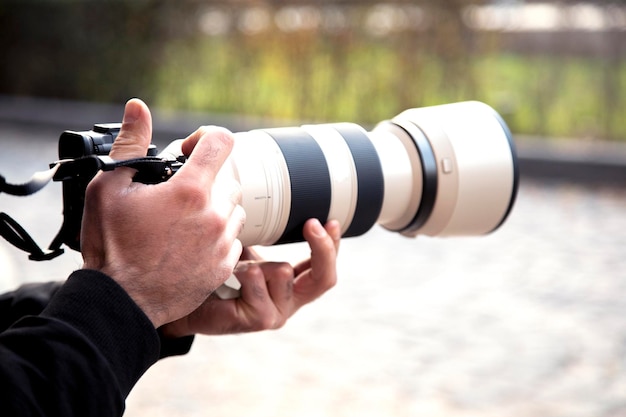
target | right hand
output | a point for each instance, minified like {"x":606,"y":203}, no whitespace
{"x":169,"y":245}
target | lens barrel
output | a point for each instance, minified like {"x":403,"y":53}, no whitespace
{"x":447,"y":170}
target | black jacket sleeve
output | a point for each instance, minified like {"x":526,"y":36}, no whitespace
{"x":80,"y":356}
{"x":27,"y":300}
{"x":30,"y":300}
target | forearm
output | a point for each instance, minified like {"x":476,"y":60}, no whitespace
{"x":81,"y":355}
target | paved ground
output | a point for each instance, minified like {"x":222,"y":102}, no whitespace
{"x":529,"y":321}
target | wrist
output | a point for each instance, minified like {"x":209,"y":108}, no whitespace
{"x":125,"y":279}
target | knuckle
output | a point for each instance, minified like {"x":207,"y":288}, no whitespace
{"x":220,"y":133}
{"x":127,"y":146}
{"x":255,"y":271}
{"x":251,"y":271}
{"x":217,"y":224}
{"x":330,"y":282}
{"x":217,"y":135}
{"x":191,"y":195}
{"x":97,"y":191}
{"x":94,"y":188}
{"x":269,"y":322}
{"x":284,"y":271}
{"x":279,"y":323}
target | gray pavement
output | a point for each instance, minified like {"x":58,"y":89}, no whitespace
{"x":528,"y":321}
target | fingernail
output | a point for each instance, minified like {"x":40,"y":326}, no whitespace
{"x":131,"y":112}
{"x":317,"y":228}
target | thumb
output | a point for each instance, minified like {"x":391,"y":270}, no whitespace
{"x":135,"y":134}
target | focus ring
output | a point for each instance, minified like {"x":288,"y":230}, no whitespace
{"x":309,"y":178}
{"x":370,"y":180}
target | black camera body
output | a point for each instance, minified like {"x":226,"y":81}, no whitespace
{"x":83,"y":154}
{"x":97,"y":141}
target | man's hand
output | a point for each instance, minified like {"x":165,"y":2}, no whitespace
{"x":171,"y":244}
{"x":271,"y":292}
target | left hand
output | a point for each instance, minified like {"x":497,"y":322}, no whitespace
{"x":271,"y":292}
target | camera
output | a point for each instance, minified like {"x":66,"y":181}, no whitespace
{"x":445,"y":170}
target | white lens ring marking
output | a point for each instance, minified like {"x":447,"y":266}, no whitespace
{"x":342,"y":172}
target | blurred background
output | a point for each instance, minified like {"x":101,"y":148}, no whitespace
{"x":528,"y":321}
{"x":553,"y":68}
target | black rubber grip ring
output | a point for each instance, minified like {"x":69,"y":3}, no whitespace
{"x":309,"y":178}
{"x":370,"y":180}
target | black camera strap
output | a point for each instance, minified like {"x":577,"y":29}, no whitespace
{"x":150,"y":170}
{"x":37,"y":182}
{"x":18,"y":237}
{"x":11,"y":229}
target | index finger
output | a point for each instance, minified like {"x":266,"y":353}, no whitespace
{"x":207,"y":150}
{"x":324,"y":243}
{"x":320,"y":273}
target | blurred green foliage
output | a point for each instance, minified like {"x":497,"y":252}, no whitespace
{"x":555,"y":96}
{"x":169,"y":54}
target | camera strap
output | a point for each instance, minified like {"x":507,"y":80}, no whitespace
{"x":11,"y":230}
{"x":37,"y":182}
{"x":150,"y":170}
{"x":18,"y":237}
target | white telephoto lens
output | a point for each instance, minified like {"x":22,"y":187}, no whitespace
{"x":447,"y":170}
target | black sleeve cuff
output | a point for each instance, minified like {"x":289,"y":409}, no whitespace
{"x":174,"y":347}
